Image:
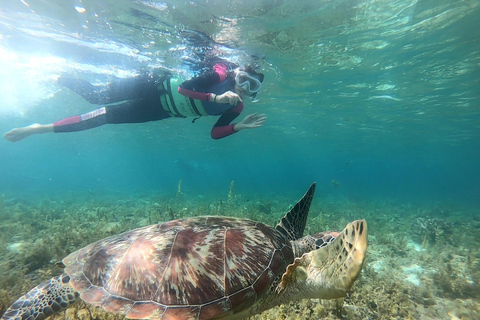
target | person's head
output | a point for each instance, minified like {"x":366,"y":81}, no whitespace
{"x":248,"y":81}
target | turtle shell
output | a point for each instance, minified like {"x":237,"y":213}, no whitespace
{"x":196,"y":268}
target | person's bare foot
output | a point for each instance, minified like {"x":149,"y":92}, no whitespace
{"x":18,"y":134}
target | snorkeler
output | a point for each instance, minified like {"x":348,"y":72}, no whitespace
{"x":148,"y":98}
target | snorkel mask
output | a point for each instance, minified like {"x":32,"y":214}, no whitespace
{"x":249,"y":83}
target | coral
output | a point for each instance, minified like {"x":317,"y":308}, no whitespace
{"x":231,"y":194}
{"x":179,"y":190}
{"x":38,"y":255}
{"x":430,"y":231}
{"x":264,"y":207}
{"x":455,"y":281}
{"x":3,"y":302}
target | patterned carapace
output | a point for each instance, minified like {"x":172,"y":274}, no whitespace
{"x":203,"y":266}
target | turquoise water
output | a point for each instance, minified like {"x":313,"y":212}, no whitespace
{"x":377,"y":101}
{"x":391,"y":88}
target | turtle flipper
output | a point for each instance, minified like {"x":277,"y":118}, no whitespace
{"x":329,"y":272}
{"x":293,"y":223}
{"x":43,"y":301}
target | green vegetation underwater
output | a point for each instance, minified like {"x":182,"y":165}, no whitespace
{"x":376,"y":101}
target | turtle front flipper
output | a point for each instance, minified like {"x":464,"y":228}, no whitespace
{"x":43,"y":301}
{"x":293,"y":223}
{"x":329,"y":272}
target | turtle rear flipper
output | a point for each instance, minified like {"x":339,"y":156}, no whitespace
{"x":329,"y":272}
{"x":43,"y":301}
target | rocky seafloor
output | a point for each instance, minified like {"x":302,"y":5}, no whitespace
{"x":422,"y":262}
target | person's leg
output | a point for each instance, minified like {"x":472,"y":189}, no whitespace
{"x":146,"y":109}
{"x":85,"y":121}
{"x":116,"y":91}
{"x":135,"y":111}
{"x":18,"y":134}
{"x":82,"y":122}
{"x":89,"y":92}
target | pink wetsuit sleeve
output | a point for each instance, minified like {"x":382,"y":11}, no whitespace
{"x":223,"y":128}
{"x":222,"y":132}
{"x":194,"y":94}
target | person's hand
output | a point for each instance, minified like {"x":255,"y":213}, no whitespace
{"x":228,"y":97}
{"x":251,"y":121}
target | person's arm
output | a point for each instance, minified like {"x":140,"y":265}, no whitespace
{"x":223,"y":128}
{"x":189,"y":88}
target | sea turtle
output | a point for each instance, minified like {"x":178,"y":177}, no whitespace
{"x":204,"y":268}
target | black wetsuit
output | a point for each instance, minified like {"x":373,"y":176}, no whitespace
{"x":138,"y":101}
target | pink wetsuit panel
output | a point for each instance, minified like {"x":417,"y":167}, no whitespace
{"x":67,"y":121}
{"x":194,"y":94}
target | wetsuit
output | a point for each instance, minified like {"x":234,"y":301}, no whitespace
{"x":217,"y":82}
{"x":138,"y":100}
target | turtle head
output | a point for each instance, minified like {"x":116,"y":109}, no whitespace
{"x":329,"y":271}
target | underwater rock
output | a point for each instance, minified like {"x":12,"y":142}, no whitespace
{"x":16,"y":247}
{"x":412,"y":273}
